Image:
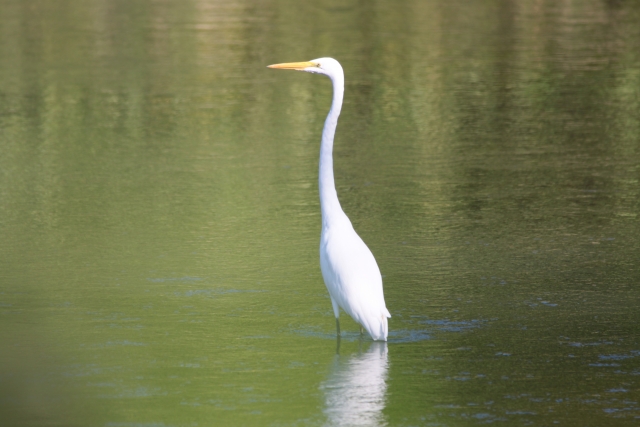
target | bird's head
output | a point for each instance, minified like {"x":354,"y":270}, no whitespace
{"x":327,"y":66}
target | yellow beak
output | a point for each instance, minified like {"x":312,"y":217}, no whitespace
{"x":294,"y":65}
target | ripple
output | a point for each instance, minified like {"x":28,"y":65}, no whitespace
{"x":173,"y":279}
{"x":395,"y":336}
{"x":408,"y":335}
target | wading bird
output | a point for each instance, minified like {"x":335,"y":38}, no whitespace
{"x":349,"y":269}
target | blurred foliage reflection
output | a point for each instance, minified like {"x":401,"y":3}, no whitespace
{"x":159,"y":218}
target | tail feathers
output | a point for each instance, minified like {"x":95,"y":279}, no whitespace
{"x":377,"y":326}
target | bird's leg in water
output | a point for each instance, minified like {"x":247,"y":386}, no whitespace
{"x":337,"y":326}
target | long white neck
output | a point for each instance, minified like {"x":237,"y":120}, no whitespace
{"x":329,"y":203}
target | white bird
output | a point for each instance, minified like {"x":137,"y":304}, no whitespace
{"x":349,"y":269}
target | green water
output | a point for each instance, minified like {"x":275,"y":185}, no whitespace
{"x":159,"y":216}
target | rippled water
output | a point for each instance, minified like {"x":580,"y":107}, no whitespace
{"x":159,"y":218}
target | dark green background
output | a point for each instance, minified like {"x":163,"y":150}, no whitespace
{"x":159,"y":217}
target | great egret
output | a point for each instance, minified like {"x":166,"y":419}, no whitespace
{"x":349,"y":269}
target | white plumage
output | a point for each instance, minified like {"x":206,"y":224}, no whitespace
{"x":349,"y":269}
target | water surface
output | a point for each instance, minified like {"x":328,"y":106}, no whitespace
{"x":159,"y":217}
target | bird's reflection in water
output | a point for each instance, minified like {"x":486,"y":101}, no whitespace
{"x":356,"y":388}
